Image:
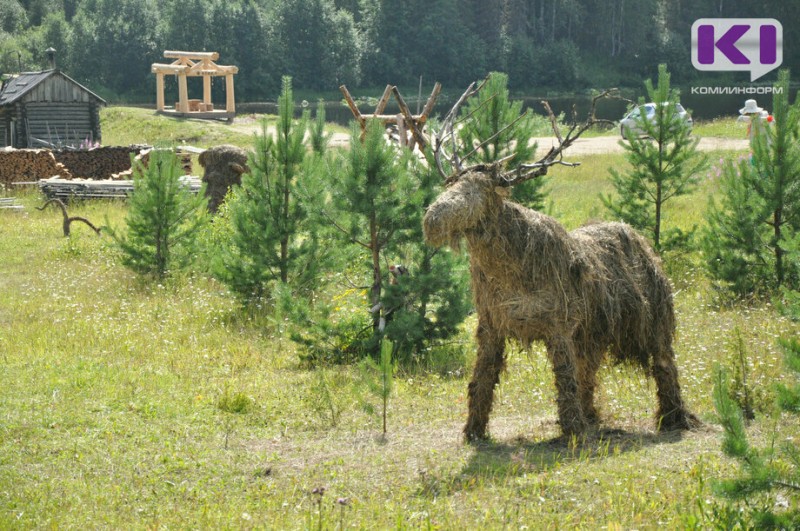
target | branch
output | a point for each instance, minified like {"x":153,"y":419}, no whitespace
{"x":447,"y":134}
{"x":525,"y":172}
{"x":67,"y":219}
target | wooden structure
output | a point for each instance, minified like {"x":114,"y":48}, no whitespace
{"x":195,"y":64}
{"x":409,"y":126}
{"x":66,"y":189}
{"x":48,"y":109}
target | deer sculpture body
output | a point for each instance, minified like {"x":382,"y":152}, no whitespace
{"x":596,"y":290}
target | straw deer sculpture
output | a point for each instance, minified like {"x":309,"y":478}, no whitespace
{"x":598,"y":289}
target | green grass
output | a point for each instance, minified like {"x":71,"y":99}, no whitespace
{"x":128,"y":404}
{"x":124,"y":126}
{"x":721,"y":128}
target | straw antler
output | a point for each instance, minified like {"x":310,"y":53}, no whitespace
{"x":446,"y":140}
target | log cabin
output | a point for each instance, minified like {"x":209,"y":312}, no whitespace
{"x":48,"y":109}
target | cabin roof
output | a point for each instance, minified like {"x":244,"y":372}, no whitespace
{"x":19,"y":85}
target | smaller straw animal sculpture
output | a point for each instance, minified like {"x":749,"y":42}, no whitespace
{"x":224,"y":166}
{"x":584,"y":293}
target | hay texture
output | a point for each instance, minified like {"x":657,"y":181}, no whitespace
{"x":596,"y":290}
{"x":224,"y":166}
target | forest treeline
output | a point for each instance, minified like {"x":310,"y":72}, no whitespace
{"x":564,"y":44}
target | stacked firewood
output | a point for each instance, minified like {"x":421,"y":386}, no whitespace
{"x":98,"y":163}
{"x":23,"y":165}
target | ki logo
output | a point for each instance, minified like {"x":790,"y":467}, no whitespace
{"x":749,"y":44}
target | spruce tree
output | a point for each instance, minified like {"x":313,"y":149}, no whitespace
{"x":271,"y":239}
{"x":747,"y":237}
{"x":163,"y":217}
{"x":499,"y":129}
{"x":664,"y":163}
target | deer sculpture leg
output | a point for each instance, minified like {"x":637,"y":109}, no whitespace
{"x":561,"y":351}
{"x":490,"y":362}
{"x":672,"y":413}
{"x":587,"y":365}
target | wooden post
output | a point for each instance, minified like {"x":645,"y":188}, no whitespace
{"x":160,"y":92}
{"x":353,"y":107}
{"x":410,"y":121}
{"x":401,"y":130}
{"x":206,"y":90}
{"x":387,"y":92}
{"x":426,"y":111}
{"x":183,"y":94}
{"x":230,"y":101}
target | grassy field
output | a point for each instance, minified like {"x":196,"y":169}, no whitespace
{"x":133,"y":405}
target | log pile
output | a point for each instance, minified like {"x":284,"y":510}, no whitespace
{"x":66,"y":189}
{"x":112,"y":162}
{"x":22,"y":165}
{"x":98,"y":163}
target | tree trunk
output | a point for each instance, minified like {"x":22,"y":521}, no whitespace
{"x":779,"y":252}
{"x":376,"y":272}
{"x":285,"y":236}
{"x":657,"y":228}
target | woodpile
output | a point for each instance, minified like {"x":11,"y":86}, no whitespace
{"x":22,"y":165}
{"x":98,"y":163}
{"x":112,"y":162}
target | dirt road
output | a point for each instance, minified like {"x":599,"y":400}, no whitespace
{"x":610,"y":144}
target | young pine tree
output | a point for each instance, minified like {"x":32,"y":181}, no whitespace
{"x":664,"y":163}
{"x":271,"y":239}
{"x":429,"y":302}
{"x":376,"y":203}
{"x":368,"y":204}
{"x":759,"y":213}
{"x":320,"y":138}
{"x":163,"y":217}
{"x":498,"y":128}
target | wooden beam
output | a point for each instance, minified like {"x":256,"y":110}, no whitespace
{"x":230,"y":101}
{"x":401,"y":130}
{"x":206,"y":90}
{"x":410,"y":122}
{"x":387,"y":92}
{"x":168,"y":69}
{"x":159,"y":91}
{"x":212,"y":69}
{"x":183,"y":94}
{"x":353,"y":108}
{"x":172,"y":54}
{"x":426,"y":111}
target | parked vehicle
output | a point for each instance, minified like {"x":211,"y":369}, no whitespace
{"x":631,"y":121}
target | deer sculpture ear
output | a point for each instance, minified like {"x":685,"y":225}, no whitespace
{"x":502,"y":191}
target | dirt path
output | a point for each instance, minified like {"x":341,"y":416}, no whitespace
{"x":610,"y":144}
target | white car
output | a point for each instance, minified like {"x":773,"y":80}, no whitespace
{"x":648,"y":110}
